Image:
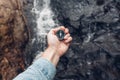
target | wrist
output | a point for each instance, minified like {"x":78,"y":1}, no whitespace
{"x":51,"y":54}
{"x":52,"y":48}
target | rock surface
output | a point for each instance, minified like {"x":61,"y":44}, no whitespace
{"x":13,"y":38}
{"x":95,"y":27}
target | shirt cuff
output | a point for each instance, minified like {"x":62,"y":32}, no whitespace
{"x":46,"y":67}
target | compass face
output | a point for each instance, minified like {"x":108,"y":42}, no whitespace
{"x":60,"y":34}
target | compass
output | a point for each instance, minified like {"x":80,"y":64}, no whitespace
{"x":60,"y":34}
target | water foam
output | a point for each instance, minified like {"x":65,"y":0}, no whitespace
{"x":44,"y":16}
{"x":44,"y":20}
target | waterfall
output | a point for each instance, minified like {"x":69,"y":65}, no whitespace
{"x":44,"y":21}
{"x":44,"y":16}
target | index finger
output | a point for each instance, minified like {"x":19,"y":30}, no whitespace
{"x":59,"y":28}
{"x":66,"y":30}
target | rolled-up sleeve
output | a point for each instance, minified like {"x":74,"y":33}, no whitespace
{"x":41,"y":69}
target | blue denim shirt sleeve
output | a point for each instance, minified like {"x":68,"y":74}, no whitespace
{"x":41,"y":69}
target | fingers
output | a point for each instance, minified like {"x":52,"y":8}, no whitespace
{"x":68,"y":40}
{"x":62,"y":28}
{"x":59,"y":28}
{"x":67,"y":36}
{"x":66,"y":30}
{"x":52,"y":31}
{"x":56,"y":29}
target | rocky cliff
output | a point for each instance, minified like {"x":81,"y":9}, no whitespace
{"x":13,"y":38}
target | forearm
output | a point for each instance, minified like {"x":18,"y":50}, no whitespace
{"x":41,"y":69}
{"x":51,"y":55}
{"x":44,"y":67}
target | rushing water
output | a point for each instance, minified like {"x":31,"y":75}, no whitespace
{"x":44,"y":20}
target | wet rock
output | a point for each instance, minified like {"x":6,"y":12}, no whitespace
{"x":95,"y":27}
{"x":95,"y":30}
{"x":13,"y":38}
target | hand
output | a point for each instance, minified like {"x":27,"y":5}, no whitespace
{"x":60,"y":46}
{"x":56,"y":48}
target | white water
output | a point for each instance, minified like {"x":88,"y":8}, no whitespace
{"x":44,"y":20}
{"x":44,"y":17}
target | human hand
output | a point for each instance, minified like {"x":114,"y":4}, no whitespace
{"x":59,"y":46}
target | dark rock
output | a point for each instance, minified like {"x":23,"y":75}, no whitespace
{"x":95,"y":27}
{"x":100,"y":2}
